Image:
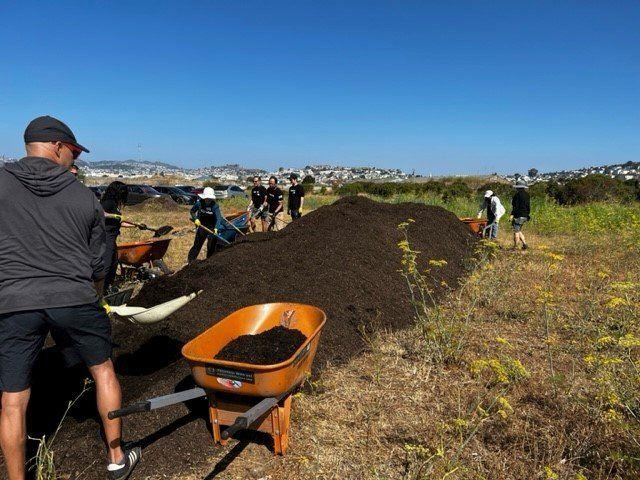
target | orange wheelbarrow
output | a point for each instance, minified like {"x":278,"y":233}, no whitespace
{"x":139,"y":258}
{"x":477,"y":225}
{"x":244,"y":395}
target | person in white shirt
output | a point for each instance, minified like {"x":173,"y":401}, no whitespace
{"x":494,"y":208}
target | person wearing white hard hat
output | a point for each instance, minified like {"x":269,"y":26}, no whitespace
{"x":205,"y":213}
{"x":494,"y":208}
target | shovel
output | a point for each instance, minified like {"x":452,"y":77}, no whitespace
{"x":158,"y":232}
{"x":226,"y":242}
{"x":233,"y":225}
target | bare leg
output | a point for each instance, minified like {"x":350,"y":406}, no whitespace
{"x":521,"y":237}
{"x":109,"y":397}
{"x":13,"y":431}
{"x":265,"y":226}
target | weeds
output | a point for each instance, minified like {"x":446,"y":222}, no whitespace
{"x":43,"y":463}
{"x":442,"y":334}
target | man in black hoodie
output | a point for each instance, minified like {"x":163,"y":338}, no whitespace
{"x":52,"y":237}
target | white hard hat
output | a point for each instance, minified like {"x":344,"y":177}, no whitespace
{"x":207,"y":193}
{"x":488,"y":193}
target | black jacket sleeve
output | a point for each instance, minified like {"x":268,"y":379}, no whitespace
{"x":97,"y":243}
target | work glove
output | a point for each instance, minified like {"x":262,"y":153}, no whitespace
{"x":215,"y":230}
{"x":142,"y":226}
{"x":105,"y":305}
{"x":511,"y":218}
{"x":197,"y":222}
{"x":480,"y":215}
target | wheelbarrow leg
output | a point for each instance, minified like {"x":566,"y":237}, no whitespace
{"x":162,"y":266}
{"x":281,"y":425}
{"x":215,"y":421}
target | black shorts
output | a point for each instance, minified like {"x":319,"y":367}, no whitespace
{"x":81,"y":330}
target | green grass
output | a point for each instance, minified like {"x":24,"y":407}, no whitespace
{"x":549,"y":218}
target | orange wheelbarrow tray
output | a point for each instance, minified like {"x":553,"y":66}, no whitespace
{"x":139,"y":253}
{"x":477,"y":225}
{"x":245,"y":380}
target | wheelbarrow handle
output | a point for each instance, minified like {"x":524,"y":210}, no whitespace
{"x":139,"y":407}
{"x":240,"y":424}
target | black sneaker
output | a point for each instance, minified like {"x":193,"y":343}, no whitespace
{"x":129,"y":462}
{"x":524,"y":246}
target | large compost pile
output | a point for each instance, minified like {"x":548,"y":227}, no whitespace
{"x":342,"y":258}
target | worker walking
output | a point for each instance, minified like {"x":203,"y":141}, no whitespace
{"x":495,"y":210}
{"x":520,"y":212}
{"x":273,"y":202}
{"x":256,"y":205}
{"x":53,"y":237}
{"x":296,"y":197}
{"x":113,"y":201}
{"x":205,"y":213}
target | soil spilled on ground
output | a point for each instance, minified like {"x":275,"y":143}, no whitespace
{"x":342,"y":258}
{"x":267,"y":348}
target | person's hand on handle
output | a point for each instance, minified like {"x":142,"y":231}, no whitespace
{"x":197,"y":222}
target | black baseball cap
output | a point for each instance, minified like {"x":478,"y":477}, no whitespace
{"x":49,"y":129}
{"x":293,"y":176}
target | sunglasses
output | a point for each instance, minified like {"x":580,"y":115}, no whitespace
{"x":74,"y":150}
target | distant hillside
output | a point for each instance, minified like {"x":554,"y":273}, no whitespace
{"x":127,"y":165}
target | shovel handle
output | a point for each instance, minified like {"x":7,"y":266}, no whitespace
{"x":144,"y":406}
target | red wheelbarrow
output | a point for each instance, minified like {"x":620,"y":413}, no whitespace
{"x":243,"y":395}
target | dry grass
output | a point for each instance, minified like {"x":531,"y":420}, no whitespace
{"x":545,"y":386}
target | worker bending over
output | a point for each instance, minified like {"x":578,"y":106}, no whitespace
{"x":205,"y":213}
{"x":53,"y":236}
{"x":255,"y":208}
{"x":296,"y":197}
{"x":495,"y":210}
{"x":273,"y":202}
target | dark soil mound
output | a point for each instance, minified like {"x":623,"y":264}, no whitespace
{"x":267,"y":348}
{"x":342,"y":258}
{"x":159,"y":204}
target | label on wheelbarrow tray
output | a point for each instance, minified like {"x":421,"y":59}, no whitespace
{"x":230,"y":374}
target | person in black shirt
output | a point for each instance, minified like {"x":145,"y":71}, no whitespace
{"x":113,"y":200}
{"x":520,"y":212}
{"x":296,"y":197}
{"x":273,"y":202}
{"x":255,"y":208}
{"x":205,"y":212}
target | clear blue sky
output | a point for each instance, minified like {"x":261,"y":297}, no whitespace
{"x":442,"y":87}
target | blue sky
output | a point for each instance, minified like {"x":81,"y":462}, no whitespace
{"x":439,"y":87}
